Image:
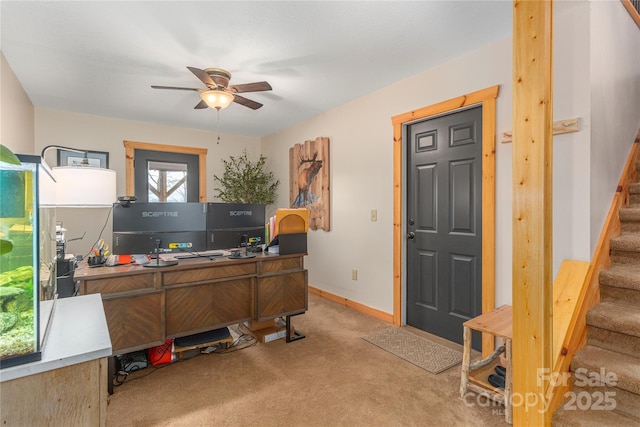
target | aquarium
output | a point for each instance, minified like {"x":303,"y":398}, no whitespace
{"x":27,"y":260}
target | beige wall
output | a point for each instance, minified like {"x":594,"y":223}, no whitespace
{"x":98,"y":133}
{"x":571,"y":154}
{"x":615,"y":101}
{"x":16,"y":113}
{"x":361,"y":163}
{"x":361,"y":142}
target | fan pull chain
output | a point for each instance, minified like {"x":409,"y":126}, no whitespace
{"x":218,"y":124}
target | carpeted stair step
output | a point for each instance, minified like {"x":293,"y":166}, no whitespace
{"x":614,"y":341}
{"x":630,"y":219}
{"x":576,"y":418}
{"x":623,"y":319}
{"x":615,"y":327}
{"x":634,"y":193}
{"x":604,"y":398}
{"x":625,"y":249}
{"x":597,"y":370}
{"x":625,"y":367}
{"x":620,"y":284}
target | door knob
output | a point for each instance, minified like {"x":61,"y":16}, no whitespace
{"x":411,"y":235}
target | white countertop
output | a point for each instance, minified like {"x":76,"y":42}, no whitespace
{"x":78,"y":333}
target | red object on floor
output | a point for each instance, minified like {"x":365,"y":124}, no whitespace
{"x":162,"y":354}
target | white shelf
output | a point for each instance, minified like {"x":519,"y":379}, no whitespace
{"x":77,"y":333}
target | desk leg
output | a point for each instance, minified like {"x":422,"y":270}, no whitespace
{"x":296,"y":334}
{"x":466,"y":360}
{"x":507,"y":384}
{"x":111,"y":372}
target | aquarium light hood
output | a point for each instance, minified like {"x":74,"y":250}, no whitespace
{"x":83,"y":185}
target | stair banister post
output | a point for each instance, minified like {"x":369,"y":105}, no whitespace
{"x":532,"y":209}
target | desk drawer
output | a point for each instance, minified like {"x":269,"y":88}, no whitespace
{"x":281,"y":294}
{"x":208,"y":273}
{"x":118,"y":284}
{"x":135,"y":321}
{"x":282,"y":264}
{"x":197,"y":308}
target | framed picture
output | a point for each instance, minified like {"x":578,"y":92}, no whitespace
{"x":99,"y":159}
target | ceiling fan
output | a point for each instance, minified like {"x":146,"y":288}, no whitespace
{"x":219,"y":94}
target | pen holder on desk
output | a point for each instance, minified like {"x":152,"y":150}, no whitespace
{"x":95,"y":260}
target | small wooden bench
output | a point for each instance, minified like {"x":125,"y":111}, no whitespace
{"x":474,"y":375}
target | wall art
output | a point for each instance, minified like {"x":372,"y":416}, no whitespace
{"x":309,"y":181}
{"x":98,"y":159}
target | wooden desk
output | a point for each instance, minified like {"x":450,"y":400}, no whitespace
{"x":474,"y":375}
{"x":145,"y":306}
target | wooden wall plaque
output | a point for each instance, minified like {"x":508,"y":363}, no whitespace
{"x":309,"y":181}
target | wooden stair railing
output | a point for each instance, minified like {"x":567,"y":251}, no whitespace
{"x":633,"y":7}
{"x":570,"y":331}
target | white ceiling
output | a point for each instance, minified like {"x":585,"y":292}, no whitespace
{"x":101,"y":57}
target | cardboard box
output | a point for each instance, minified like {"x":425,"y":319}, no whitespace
{"x":271,"y":333}
{"x":255,"y":325}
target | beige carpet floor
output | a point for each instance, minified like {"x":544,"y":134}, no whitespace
{"x":333,"y":377}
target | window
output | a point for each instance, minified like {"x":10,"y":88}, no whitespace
{"x":167,"y":182}
{"x":165,"y":173}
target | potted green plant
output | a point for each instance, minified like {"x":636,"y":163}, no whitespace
{"x":245,"y":181}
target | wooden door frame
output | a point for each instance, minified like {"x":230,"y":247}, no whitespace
{"x":131,"y":146}
{"x":487,"y":98}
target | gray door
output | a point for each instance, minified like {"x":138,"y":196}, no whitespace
{"x":444,"y":223}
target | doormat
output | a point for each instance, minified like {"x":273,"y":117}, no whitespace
{"x":415,"y":349}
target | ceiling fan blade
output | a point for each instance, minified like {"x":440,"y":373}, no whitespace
{"x":251,"y":87}
{"x":202,"y":75}
{"x":200,"y":105}
{"x":247,"y":102}
{"x":175,"y":88}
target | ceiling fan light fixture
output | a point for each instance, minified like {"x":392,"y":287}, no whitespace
{"x":216,"y":98}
